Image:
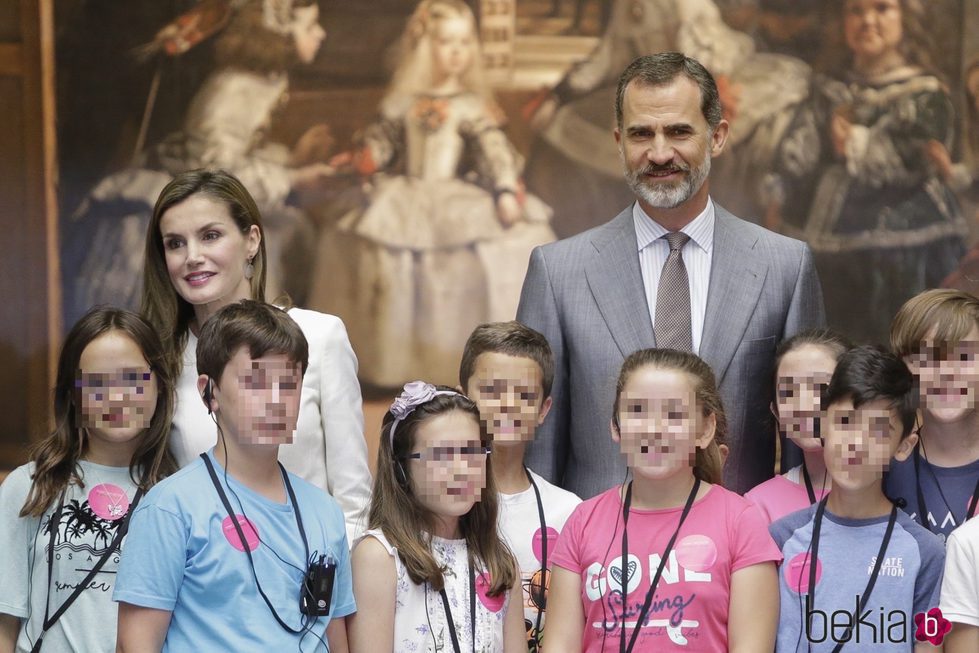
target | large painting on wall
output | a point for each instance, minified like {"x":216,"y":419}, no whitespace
{"x":404,"y":173}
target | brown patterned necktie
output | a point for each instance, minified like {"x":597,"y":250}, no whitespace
{"x":672,"y":316}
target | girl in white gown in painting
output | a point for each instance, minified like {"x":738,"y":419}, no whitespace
{"x":439,"y":238}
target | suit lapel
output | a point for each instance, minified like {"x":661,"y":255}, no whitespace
{"x":616,"y":284}
{"x":737,"y":276}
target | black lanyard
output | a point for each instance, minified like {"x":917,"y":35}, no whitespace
{"x":109,"y":552}
{"x":544,"y":580}
{"x":472,"y":612}
{"x":244,"y":542}
{"x":922,"y":508}
{"x":808,"y":480}
{"x":659,"y":571}
{"x":813,"y":561}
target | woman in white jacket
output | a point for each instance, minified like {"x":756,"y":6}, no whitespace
{"x":205,"y":249}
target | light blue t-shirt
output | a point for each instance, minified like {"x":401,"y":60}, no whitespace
{"x":909,"y":582}
{"x":184,"y":555}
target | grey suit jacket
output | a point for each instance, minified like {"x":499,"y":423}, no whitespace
{"x":586,"y":295}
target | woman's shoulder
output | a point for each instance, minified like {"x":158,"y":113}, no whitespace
{"x":318,"y":327}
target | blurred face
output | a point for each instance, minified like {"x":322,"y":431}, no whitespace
{"x":872,"y":27}
{"x":803,"y":374}
{"x":447,"y":465}
{"x":206,"y":252}
{"x":117,"y":391}
{"x":257,"y":400}
{"x":307,"y":33}
{"x":948,"y":377}
{"x":860,"y":442}
{"x":452,"y":47}
{"x":660,"y":423}
{"x":665,"y":142}
{"x":507,"y":390}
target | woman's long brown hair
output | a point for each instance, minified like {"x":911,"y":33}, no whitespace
{"x":56,"y":457}
{"x":398,"y":513}
{"x":708,"y":463}
{"x":161,"y":305}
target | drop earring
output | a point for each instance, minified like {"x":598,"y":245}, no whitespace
{"x":249,"y":270}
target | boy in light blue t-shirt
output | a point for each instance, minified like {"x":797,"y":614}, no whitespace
{"x":217,"y":554}
{"x":875,"y":568}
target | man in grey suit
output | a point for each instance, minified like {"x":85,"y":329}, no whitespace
{"x":674,"y":270}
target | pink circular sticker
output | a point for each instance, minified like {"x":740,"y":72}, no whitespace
{"x":491,"y":603}
{"x":696,"y":553}
{"x":108,"y":501}
{"x":538,"y":542}
{"x":247,"y":528}
{"x":797,"y":573}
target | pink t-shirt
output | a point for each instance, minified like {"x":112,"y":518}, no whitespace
{"x":722,"y":534}
{"x":778,"y":497}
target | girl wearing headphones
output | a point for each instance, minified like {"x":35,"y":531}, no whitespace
{"x":431,"y":572}
{"x":670,"y":561}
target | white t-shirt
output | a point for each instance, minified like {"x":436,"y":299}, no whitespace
{"x":520,"y":528}
{"x":329,"y":449}
{"x":420,"y":622}
{"x":960,"y":585}
{"x":85,"y":529}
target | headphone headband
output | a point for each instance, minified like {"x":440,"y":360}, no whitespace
{"x":412,"y":396}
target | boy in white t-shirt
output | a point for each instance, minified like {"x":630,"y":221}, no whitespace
{"x":507,"y":369}
{"x":960,"y":589}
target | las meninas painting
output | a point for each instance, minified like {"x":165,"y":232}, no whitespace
{"x":406,"y":157}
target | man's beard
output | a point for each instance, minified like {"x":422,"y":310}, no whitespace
{"x":667,"y":196}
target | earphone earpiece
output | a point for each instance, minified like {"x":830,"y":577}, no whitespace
{"x":208,"y":396}
{"x":400,"y":475}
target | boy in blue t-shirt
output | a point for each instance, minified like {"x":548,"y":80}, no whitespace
{"x":937,"y":334}
{"x":216,"y":555}
{"x":875,"y":568}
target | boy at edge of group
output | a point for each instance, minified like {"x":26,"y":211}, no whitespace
{"x":507,"y":369}
{"x":937,"y":335}
{"x":873,"y":565}
{"x":190,"y":579}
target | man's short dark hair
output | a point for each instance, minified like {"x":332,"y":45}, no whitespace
{"x":261,"y":327}
{"x":871,"y":373}
{"x":513,"y":339}
{"x":661,"y":69}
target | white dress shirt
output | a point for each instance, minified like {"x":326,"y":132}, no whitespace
{"x":697,"y":253}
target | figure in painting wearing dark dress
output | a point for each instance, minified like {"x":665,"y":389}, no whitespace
{"x":439,"y":240}
{"x":224,"y":127}
{"x":852,"y":178}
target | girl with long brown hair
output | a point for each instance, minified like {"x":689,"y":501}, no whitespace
{"x":670,"y":557}
{"x":64,"y":514}
{"x":432,"y":572}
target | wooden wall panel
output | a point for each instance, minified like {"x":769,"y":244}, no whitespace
{"x":29,"y":295}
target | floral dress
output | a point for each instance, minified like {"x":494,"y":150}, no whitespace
{"x":418,"y":258}
{"x":420,"y":619}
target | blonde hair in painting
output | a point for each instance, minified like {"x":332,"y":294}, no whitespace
{"x":414,"y":74}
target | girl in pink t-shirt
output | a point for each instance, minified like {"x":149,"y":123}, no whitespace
{"x":705,"y":552}
{"x":804,"y":365}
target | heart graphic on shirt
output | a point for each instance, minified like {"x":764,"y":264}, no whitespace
{"x":616,"y":573}
{"x":491,"y":603}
